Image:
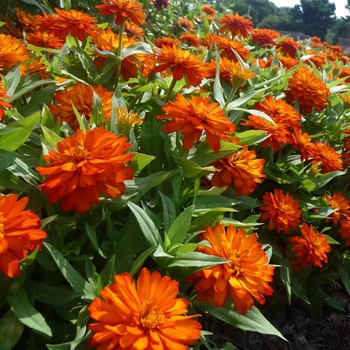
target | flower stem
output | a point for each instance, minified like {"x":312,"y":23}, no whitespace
{"x":119,"y":50}
{"x":230,"y":97}
{"x":171,"y":88}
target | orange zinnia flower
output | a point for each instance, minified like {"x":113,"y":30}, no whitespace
{"x":245,"y":277}
{"x":339,"y":203}
{"x":281,"y":210}
{"x":301,"y":142}
{"x":84,"y":166}
{"x":288,"y":46}
{"x":184,"y":23}
{"x":82,"y":97}
{"x":312,"y":248}
{"x":327,"y":155}
{"x":344,"y":230}
{"x":193,"y":117}
{"x":263,"y":36}
{"x":279,"y":111}
{"x":279,"y":133}
{"x":45,"y":39}
{"x":109,"y":41}
{"x":166,"y":41}
{"x":19,"y":233}
{"x":233,"y":72}
{"x":145,"y":315}
{"x":226,"y":46}
{"x":241,"y":170}
{"x":208,"y":10}
{"x":308,"y":90}
{"x":28,"y":22}
{"x":75,"y":23}
{"x":133,"y":30}
{"x":12,"y":52}
{"x":191,"y":39}
{"x":236,"y":24}
{"x":3,"y":103}
{"x":123,"y":9}
{"x":180,"y":64}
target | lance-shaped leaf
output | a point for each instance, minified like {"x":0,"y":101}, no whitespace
{"x":178,"y":230}
{"x":195,"y":260}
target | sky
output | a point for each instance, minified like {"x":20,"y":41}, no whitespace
{"x":340,"y":10}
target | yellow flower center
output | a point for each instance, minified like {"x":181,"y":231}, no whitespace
{"x":150,"y":317}
{"x":236,"y":262}
{"x":79,"y":154}
{"x":3,"y":240}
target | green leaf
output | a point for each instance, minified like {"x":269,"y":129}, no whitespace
{"x":29,"y":87}
{"x":139,"y":161}
{"x":13,"y":77}
{"x":251,"y":137}
{"x":90,"y":231}
{"x":76,"y":281}
{"x":97,"y":116}
{"x":26,"y":312}
{"x":16,"y":133}
{"x":196,"y":260}
{"x":106,"y":275}
{"x":134,"y":49}
{"x":217,"y":203}
{"x":147,"y":226}
{"x":207,"y":219}
{"x":51,"y":295}
{"x":331,"y":240}
{"x":218,"y":90}
{"x":10,"y":330}
{"x":178,"y":230}
{"x":50,"y":136}
{"x":253,"y":321}
{"x":240,"y":101}
{"x":286,"y":271}
{"x":321,"y":180}
{"x":169,"y":213}
{"x":190,"y":168}
{"x":140,"y":260}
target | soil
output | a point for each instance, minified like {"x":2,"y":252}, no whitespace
{"x":329,"y":331}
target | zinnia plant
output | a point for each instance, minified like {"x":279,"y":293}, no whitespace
{"x":162,"y":165}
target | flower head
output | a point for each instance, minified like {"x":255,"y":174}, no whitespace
{"x":279,"y":111}
{"x":19,"y":233}
{"x":340,"y":204}
{"x":308,"y":90}
{"x":123,"y":9}
{"x":180,"y":64}
{"x":191,"y":39}
{"x":142,"y":315}
{"x":126,"y":120}
{"x":82,"y":97}
{"x":184,"y":23}
{"x":301,"y":142}
{"x":45,"y":39}
{"x":312,"y":248}
{"x":77,"y":24}
{"x":245,"y":277}
{"x":208,"y":10}
{"x":344,"y":230}
{"x":288,"y":46}
{"x":84,"y":166}
{"x":327,"y":155}
{"x":241,"y":170}
{"x":12,"y":52}
{"x":282,"y":210}
{"x":193,"y":117}
{"x":236,"y":24}
{"x":161,"y":4}
{"x":265,"y":37}
{"x":3,"y":103}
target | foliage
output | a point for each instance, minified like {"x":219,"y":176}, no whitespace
{"x":129,"y":164}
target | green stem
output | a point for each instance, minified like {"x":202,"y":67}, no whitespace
{"x":6,"y":5}
{"x":230,"y":97}
{"x":171,"y":88}
{"x":119,"y":50}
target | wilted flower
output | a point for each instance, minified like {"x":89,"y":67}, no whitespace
{"x":194,"y":116}
{"x":19,"y":233}
{"x":312,"y":248}
{"x":122,"y":10}
{"x":142,"y":315}
{"x":236,"y":24}
{"x":308,"y":90}
{"x":281,"y":210}
{"x":161,"y":4}
{"x":84,"y":166}
{"x":241,"y":170}
{"x":245,"y":277}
